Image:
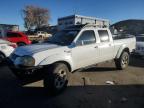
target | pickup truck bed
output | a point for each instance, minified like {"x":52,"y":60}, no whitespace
{"x":128,"y":41}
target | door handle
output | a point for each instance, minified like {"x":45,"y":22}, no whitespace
{"x":67,"y":51}
{"x":110,"y":44}
{"x":96,"y":47}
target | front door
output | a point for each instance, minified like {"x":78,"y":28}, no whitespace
{"x":13,"y":37}
{"x":85,"y":53}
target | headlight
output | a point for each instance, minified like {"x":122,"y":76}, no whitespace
{"x":25,"y":61}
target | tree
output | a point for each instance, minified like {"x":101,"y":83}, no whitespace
{"x":41,"y":16}
{"x":35,"y":17}
{"x":28,"y":17}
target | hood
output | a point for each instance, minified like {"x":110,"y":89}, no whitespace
{"x":31,"y":49}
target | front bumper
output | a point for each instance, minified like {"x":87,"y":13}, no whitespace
{"x":23,"y":71}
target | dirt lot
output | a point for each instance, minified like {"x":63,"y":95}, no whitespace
{"x":87,"y":89}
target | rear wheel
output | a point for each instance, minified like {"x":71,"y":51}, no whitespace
{"x":56,"y":78}
{"x":123,"y":61}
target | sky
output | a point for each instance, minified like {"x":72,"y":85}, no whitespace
{"x":114,"y":10}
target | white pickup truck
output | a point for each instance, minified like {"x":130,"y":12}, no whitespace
{"x":68,"y":50}
{"x":41,"y":34}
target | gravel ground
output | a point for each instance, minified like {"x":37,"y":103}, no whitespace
{"x":87,"y":89}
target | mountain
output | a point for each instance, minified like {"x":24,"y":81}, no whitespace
{"x":130,"y":26}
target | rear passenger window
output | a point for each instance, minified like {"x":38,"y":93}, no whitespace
{"x":10,"y":35}
{"x":104,"y":36}
{"x":87,"y":37}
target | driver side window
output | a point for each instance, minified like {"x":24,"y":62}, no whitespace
{"x":86,"y":38}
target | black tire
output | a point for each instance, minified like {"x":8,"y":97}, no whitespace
{"x":123,"y":61}
{"x":2,"y":57}
{"x":56,"y":78}
{"x":21,"y":44}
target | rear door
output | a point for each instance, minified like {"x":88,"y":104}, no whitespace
{"x":85,"y":52}
{"x":14,"y":37}
{"x":106,"y":46}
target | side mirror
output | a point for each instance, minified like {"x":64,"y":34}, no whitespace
{"x":79,"y":43}
{"x":72,"y":45}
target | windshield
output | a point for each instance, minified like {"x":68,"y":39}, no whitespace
{"x":64,"y":37}
{"x":140,"y":39}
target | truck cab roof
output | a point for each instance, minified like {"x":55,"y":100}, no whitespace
{"x":81,"y":26}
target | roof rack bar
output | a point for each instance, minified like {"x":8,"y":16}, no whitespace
{"x":94,"y":25}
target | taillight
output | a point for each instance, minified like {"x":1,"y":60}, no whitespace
{"x":14,"y":45}
{"x":30,"y":42}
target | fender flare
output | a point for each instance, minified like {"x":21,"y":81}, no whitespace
{"x":121,"y":49}
{"x":58,"y":58}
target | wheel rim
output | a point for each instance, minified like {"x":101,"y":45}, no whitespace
{"x":60,"y":79}
{"x":125,"y":60}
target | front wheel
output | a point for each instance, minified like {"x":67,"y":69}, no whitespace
{"x":56,"y":78}
{"x":123,"y":61}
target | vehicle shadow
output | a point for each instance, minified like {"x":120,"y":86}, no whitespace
{"x":14,"y":95}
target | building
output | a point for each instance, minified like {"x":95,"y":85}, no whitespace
{"x":6,"y":27}
{"x":79,"y":19}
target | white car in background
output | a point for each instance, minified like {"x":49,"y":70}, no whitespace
{"x":139,"y":45}
{"x":6,"y":48}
